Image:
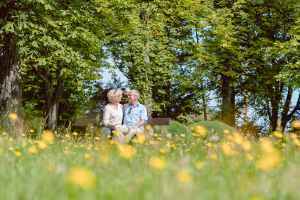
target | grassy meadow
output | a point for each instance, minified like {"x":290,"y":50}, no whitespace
{"x":201,"y":161}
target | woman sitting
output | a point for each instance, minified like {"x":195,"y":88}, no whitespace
{"x":113,"y":115}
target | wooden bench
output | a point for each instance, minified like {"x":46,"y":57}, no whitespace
{"x":160,"y":121}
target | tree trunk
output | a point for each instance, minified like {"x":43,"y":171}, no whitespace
{"x":53,"y":116}
{"x":228,"y":101}
{"x":286,"y":107}
{"x":204,"y":108}
{"x":54,"y":96}
{"x":245,"y":110}
{"x":275,"y":101}
{"x":10,"y":92}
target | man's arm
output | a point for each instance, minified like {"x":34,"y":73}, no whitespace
{"x":143,"y":117}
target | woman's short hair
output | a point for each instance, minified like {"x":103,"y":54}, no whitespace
{"x":113,"y":94}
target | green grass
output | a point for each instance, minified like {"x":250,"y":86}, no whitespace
{"x":43,"y":175}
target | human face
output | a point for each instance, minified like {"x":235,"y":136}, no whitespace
{"x":133,"y":98}
{"x":117,"y":99}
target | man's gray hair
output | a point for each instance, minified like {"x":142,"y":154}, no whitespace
{"x":135,"y":92}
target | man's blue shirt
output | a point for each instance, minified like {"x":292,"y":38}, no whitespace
{"x":134,"y":113}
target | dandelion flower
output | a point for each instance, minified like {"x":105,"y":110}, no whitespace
{"x":249,"y":157}
{"x":74,"y":133}
{"x":226,"y":131}
{"x":213,"y":156}
{"x":237,"y":138}
{"x":269,"y":161}
{"x":266,"y":145}
{"x":246,"y":145}
{"x":199,"y":164}
{"x":42,"y":145}
{"x":228,"y":150}
{"x":296,"y":124}
{"x":116,"y":133}
{"x":13,"y":116}
{"x":277,"y":134}
{"x":183,"y":176}
{"x":81,"y":177}
{"x":32,"y":150}
{"x":87,"y":156}
{"x":48,"y":136}
{"x":270,"y":158}
{"x":140,"y":138}
{"x":18,"y":153}
{"x":157,"y":163}
{"x":126,"y":151}
{"x":200,"y":131}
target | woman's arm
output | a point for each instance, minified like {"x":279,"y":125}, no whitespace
{"x":106,"y":116}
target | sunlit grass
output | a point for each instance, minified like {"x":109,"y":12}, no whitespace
{"x":156,"y":166}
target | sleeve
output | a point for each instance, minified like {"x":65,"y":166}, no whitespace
{"x":144,"y":115}
{"x":106,"y":116}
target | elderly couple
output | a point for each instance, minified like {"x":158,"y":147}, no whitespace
{"x":122,"y":122}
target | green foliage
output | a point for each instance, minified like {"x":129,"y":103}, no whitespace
{"x":177,"y":128}
{"x":176,"y":53}
{"x":59,"y":50}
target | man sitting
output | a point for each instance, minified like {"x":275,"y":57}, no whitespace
{"x":135,"y":114}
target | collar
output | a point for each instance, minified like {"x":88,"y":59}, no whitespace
{"x":134,"y":106}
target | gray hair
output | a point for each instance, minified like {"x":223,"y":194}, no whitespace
{"x":135,"y":92}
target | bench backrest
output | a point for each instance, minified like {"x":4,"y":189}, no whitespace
{"x":159,"y":121}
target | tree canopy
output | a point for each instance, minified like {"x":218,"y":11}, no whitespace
{"x":181,"y":55}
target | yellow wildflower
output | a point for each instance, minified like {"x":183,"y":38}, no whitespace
{"x":126,"y":151}
{"x":200,"y":131}
{"x":213,"y":156}
{"x":296,"y":124}
{"x":209,"y":145}
{"x":226,"y":131}
{"x":18,"y":153}
{"x":81,"y":177}
{"x":246,"y":145}
{"x":116,"y":133}
{"x":183,"y":176}
{"x":67,"y":136}
{"x":140,"y":138}
{"x":269,"y":161}
{"x":228,"y":150}
{"x":164,"y":150}
{"x":87,"y":156}
{"x":296,"y":141}
{"x":199,"y":164}
{"x":266,"y":145}
{"x":237,"y":138}
{"x":277,"y":134}
{"x":32,"y":150}
{"x":148,"y":127}
{"x":104,"y":157}
{"x":270,"y":158}
{"x":249,"y":157}
{"x":13,"y":116}
{"x":157,"y":163}
{"x":48,"y":136}
{"x":41,"y":144}
{"x":74,"y":133}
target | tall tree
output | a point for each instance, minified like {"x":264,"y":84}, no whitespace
{"x":58,"y":48}
{"x":10,"y":92}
